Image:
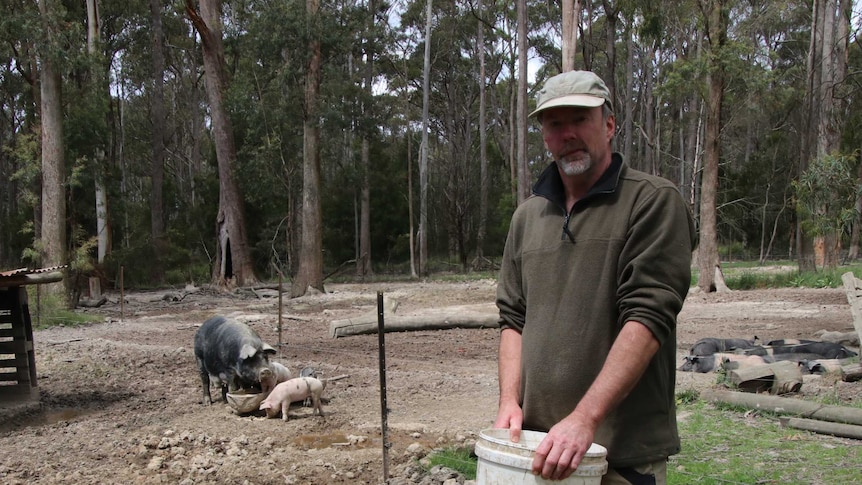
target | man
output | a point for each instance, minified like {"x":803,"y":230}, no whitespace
{"x":595,"y":270}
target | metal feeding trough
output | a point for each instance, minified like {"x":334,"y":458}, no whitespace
{"x":244,"y":402}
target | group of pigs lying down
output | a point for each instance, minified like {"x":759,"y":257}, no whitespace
{"x":234,"y":357}
{"x":708,"y":354}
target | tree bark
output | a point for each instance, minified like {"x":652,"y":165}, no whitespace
{"x":423,"y":149}
{"x":611,"y":18}
{"x":786,"y":405}
{"x":571,"y":13}
{"x":157,"y":120}
{"x":53,"y":159}
{"x":716,"y":17}
{"x":103,"y":229}
{"x":363,"y":260}
{"x":804,"y":242}
{"x":233,"y":257}
{"x":483,"y":150}
{"x":310,"y":272}
{"x":823,"y":427}
{"x":460,"y":316}
{"x":521,"y":118}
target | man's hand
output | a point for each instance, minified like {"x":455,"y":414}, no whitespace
{"x":561,"y":451}
{"x":511,"y":417}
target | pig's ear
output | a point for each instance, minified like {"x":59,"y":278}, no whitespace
{"x":264,"y":405}
{"x":268,"y":349}
{"x":247,"y":351}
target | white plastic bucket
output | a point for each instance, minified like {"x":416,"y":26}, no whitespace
{"x":502,"y":462}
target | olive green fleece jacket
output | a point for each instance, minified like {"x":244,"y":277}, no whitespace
{"x":626,"y":256}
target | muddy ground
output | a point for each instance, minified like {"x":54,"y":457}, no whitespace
{"x":120,"y":400}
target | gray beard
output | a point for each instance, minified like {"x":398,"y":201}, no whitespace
{"x":576,"y":167}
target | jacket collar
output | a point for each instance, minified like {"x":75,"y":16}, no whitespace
{"x":550,"y":185}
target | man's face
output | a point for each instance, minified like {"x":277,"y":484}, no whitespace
{"x":577,"y":138}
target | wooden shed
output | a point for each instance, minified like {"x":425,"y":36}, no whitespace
{"x":17,"y":351}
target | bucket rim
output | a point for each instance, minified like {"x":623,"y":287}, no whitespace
{"x":500,"y":436}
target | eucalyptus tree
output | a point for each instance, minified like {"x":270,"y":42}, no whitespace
{"x":483,"y":140}
{"x":715,"y":15}
{"x":53,"y":239}
{"x":370,"y":45}
{"x":424,"y":148}
{"x":524,"y":179}
{"x":158,"y":136}
{"x":310,"y":272}
{"x":827,"y":69}
{"x":233,"y":256}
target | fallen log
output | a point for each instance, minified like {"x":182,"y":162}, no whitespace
{"x":463,"y":316}
{"x":824,"y":427}
{"x":853,"y":290}
{"x":847,"y":339}
{"x":851,"y":372}
{"x":93,"y":303}
{"x":784,"y":405}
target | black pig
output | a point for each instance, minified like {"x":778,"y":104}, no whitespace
{"x":709,"y":345}
{"x":230,"y":353}
{"x":821,"y":350}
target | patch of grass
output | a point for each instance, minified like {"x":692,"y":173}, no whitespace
{"x":687,"y":396}
{"x":459,"y":458}
{"x":747,"y":275}
{"x":724,"y":445}
{"x":50,"y":311}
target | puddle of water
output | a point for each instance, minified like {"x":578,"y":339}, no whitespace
{"x":69,"y":414}
{"x":321,"y":441}
{"x":45,"y":418}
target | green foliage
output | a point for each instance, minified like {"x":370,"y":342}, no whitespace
{"x":49,"y":310}
{"x":687,"y":396}
{"x":750,"y":278}
{"x":461,"y":459}
{"x":826,"y":194}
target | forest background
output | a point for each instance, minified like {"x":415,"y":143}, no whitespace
{"x":232,"y":141}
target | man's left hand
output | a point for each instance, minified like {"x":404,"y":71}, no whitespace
{"x":560,"y":453}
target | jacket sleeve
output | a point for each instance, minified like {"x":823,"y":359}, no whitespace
{"x":510,"y":292}
{"x":655,"y":264}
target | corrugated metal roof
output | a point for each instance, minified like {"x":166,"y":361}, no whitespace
{"x":22,"y":271}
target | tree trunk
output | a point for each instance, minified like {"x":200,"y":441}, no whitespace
{"x":521,"y":119}
{"x":571,"y":13}
{"x":363,"y":260}
{"x":410,"y":191}
{"x":611,"y":16}
{"x":53,"y":161}
{"x":628,"y":100}
{"x":805,"y":242}
{"x":853,"y":250}
{"x":103,"y":230}
{"x":157,"y":119}
{"x":310,"y":273}
{"x":233,"y":257}
{"x":423,"y":150}
{"x":483,"y":149}
{"x":716,"y":18}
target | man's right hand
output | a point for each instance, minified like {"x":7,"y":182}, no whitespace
{"x":511,"y":417}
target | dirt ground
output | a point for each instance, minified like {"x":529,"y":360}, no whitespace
{"x":120,"y":400}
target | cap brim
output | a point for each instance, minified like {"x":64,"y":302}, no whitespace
{"x":572,"y":100}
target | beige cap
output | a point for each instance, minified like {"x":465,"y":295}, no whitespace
{"x":572,"y":88}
